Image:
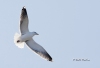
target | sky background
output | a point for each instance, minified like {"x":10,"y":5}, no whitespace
{"x":68,"y":30}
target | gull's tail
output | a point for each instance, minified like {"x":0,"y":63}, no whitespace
{"x":17,"y":41}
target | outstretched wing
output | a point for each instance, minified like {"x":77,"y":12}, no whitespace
{"x":24,"y":21}
{"x":38,"y":49}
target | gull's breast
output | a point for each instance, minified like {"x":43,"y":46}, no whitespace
{"x":26,"y":37}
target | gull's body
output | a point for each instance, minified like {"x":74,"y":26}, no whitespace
{"x":26,"y":36}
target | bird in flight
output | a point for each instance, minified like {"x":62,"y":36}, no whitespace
{"x":26,"y":37}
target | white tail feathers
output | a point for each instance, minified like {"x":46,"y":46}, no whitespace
{"x":16,"y":38}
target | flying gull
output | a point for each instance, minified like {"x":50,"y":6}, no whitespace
{"x":26,"y":37}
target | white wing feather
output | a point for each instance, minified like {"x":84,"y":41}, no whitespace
{"x":24,"y":21}
{"x":38,"y":49}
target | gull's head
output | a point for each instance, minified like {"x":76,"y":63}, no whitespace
{"x":35,"y":33}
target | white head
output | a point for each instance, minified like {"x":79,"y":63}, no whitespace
{"x":35,"y":33}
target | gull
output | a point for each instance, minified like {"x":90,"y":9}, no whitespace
{"x":26,"y":37}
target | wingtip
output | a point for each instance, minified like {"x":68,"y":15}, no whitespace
{"x":24,"y":7}
{"x":51,"y":60}
{"x":23,"y":12}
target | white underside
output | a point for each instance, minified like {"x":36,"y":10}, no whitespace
{"x":16,"y":38}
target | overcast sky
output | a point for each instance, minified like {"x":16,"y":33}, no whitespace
{"x":68,"y":29}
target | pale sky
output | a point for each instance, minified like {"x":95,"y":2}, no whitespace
{"x":68,"y":29}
